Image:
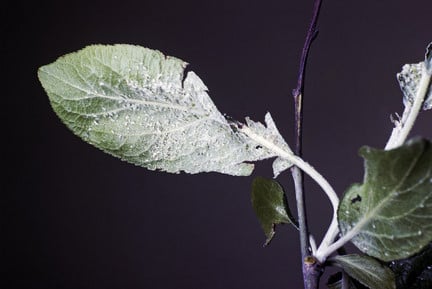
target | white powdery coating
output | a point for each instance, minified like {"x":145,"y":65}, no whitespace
{"x":409,"y":79}
{"x":271,"y":134}
{"x":131,"y":102}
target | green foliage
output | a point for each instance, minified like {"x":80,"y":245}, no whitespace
{"x":366,"y":270}
{"x":136,"y":104}
{"x":270,"y":205}
{"x":133,"y":103}
{"x":390,"y":214}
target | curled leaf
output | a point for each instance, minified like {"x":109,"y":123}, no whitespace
{"x":409,"y":79}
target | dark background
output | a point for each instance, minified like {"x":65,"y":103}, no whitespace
{"x":74,"y":217}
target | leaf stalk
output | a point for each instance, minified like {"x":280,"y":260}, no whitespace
{"x":296,"y":161}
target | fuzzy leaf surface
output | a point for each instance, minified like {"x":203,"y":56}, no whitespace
{"x":270,"y":205}
{"x":390,"y":214}
{"x":133,"y":103}
{"x":366,"y":270}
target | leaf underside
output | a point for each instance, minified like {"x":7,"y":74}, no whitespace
{"x":391,"y":212}
{"x":133,"y":103}
{"x":270,"y":206}
{"x":366,"y":270}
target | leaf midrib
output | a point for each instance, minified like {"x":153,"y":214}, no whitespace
{"x":368,"y":216}
{"x":116,"y":98}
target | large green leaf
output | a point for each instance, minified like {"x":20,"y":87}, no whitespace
{"x":270,"y":205}
{"x":390,"y":214}
{"x":133,"y":103}
{"x":366,"y":270}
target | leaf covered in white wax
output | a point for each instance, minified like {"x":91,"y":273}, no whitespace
{"x":409,"y":79}
{"x":133,"y":103}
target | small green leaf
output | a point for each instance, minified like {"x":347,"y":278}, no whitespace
{"x":390,"y":214}
{"x":270,"y":205}
{"x":135,"y":103}
{"x":366,"y":270}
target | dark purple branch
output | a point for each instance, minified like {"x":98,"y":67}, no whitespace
{"x":312,"y":33}
{"x":299,"y":90}
{"x":311,"y":270}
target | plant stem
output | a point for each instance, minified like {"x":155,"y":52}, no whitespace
{"x":297,"y":176}
{"x":325,"y":251}
{"x":312,"y":271}
{"x":296,"y":161}
{"x":398,"y":136}
{"x":311,"y":34}
{"x":310,"y":276}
